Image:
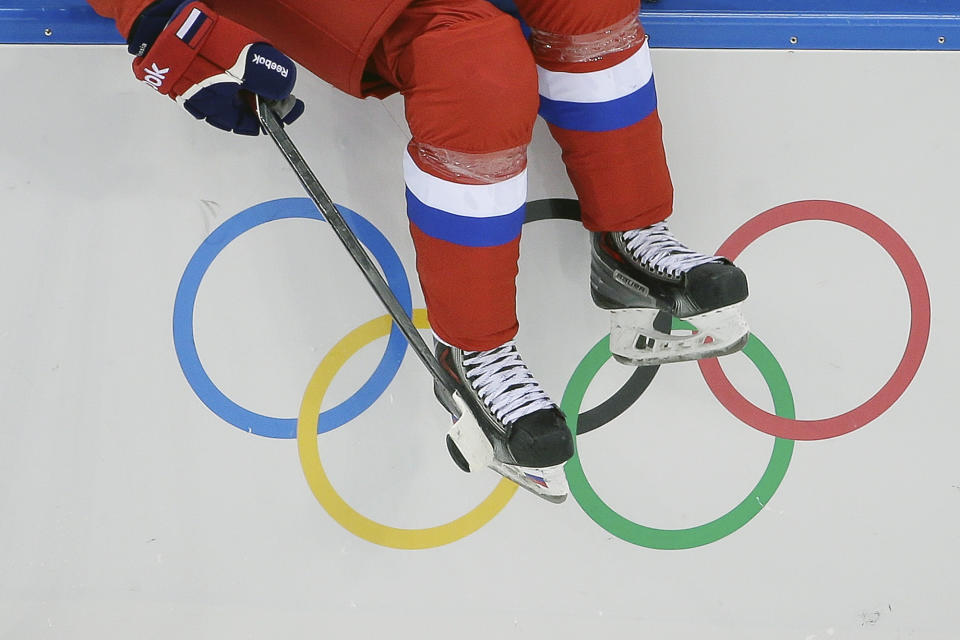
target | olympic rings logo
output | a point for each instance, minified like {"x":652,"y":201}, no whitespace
{"x":313,"y":419}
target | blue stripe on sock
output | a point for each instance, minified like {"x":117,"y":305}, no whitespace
{"x":601,"y":116}
{"x":464,"y":230}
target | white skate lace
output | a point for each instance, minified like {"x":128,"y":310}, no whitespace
{"x":504,"y":383}
{"x":656,"y":247}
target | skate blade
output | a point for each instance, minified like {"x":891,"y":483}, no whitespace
{"x":634,"y":341}
{"x":549,"y":483}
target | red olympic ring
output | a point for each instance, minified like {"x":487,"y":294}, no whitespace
{"x":917,"y":291}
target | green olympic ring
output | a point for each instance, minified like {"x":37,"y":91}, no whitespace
{"x":640,"y":535}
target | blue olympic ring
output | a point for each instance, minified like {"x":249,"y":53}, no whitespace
{"x":185,"y":344}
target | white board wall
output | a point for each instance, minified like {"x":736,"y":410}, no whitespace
{"x":131,"y":508}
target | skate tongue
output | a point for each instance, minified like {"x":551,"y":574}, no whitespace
{"x":656,"y":247}
{"x":504,"y":383}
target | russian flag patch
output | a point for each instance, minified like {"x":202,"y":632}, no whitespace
{"x":190,"y":29}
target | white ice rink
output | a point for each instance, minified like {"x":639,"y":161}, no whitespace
{"x":148,"y":496}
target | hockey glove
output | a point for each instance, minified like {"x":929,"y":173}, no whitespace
{"x":204,"y":61}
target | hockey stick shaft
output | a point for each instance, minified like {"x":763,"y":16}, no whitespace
{"x":356,"y":250}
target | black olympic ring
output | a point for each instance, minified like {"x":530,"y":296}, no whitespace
{"x":640,"y":379}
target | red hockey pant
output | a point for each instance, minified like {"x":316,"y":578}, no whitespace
{"x":470,"y":85}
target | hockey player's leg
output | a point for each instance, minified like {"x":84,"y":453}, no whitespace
{"x":470,"y":94}
{"x":599,"y":99}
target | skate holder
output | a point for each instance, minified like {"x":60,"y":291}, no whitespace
{"x":635,"y":341}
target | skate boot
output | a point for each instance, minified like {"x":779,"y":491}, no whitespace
{"x":635,"y":274}
{"x":523,"y":435}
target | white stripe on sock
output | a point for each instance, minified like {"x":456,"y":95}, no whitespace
{"x":470,"y":200}
{"x":598,"y":86}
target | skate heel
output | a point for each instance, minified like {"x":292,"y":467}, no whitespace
{"x":634,"y":340}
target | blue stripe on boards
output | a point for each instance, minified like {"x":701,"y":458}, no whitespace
{"x":689,"y":24}
{"x":601,"y":116}
{"x":465,"y":231}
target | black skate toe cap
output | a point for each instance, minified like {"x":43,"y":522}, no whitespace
{"x":717,"y":284}
{"x":541,"y":439}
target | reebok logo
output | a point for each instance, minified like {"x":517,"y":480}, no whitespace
{"x":154,"y":76}
{"x":270,"y":64}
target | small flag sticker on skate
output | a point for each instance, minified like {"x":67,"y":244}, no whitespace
{"x":536,"y":479}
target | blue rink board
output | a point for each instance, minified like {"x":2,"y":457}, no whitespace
{"x":697,"y":24}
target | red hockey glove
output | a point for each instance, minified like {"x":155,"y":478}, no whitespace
{"x":204,"y":60}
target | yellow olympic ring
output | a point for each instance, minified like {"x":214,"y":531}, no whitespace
{"x":328,"y":497}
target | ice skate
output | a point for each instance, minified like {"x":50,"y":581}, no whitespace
{"x":635,"y":274}
{"x":524,"y":436}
